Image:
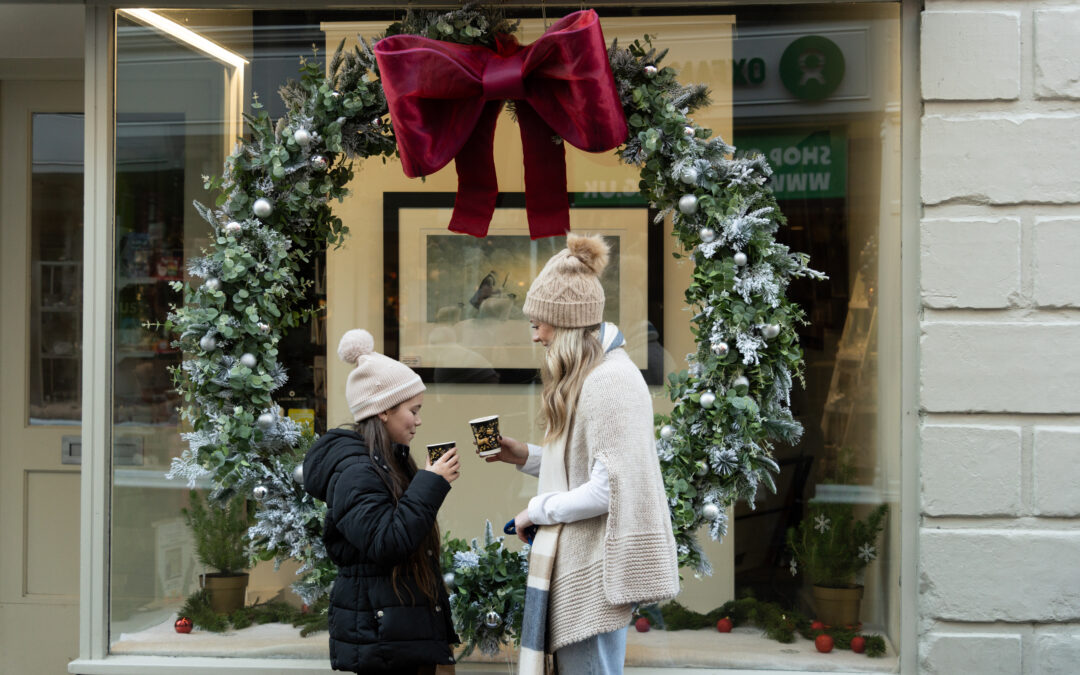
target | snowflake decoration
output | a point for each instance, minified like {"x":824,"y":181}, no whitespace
{"x":867,"y":552}
{"x":821,"y":524}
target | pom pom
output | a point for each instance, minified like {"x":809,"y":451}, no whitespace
{"x":590,"y":250}
{"x":354,"y":344}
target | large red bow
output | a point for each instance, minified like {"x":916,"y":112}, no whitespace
{"x":445,"y":98}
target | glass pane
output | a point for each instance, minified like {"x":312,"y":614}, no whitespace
{"x":450,"y":306}
{"x":56,"y":235}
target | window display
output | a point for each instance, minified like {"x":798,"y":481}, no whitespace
{"x":394,"y":275}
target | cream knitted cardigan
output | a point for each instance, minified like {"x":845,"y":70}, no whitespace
{"x":605,"y":564}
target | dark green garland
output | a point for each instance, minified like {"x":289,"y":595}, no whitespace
{"x":197,"y":608}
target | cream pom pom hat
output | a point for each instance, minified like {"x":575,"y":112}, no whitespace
{"x":378,"y":383}
{"x":567,"y":292}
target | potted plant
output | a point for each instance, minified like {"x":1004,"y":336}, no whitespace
{"x":833,"y":546}
{"x":220,"y":542}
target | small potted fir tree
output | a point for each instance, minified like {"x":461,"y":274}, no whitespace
{"x":832,"y":546}
{"x":220,"y":542}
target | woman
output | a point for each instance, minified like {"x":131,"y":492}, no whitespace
{"x":389,"y":611}
{"x":605,"y":541}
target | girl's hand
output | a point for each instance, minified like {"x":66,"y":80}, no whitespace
{"x":511,"y":452}
{"x":521,"y":524}
{"x":448,"y":466}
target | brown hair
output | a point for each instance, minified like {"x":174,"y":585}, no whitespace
{"x":396,"y":472}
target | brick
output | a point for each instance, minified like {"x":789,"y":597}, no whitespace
{"x":1054,"y":266}
{"x":985,"y":654}
{"x":970,"y":263}
{"x":1057,"y":653}
{"x":1057,"y":471}
{"x":1057,"y":51}
{"x":999,"y":575}
{"x":1000,"y":160}
{"x":970,"y":55}
{"x":1000,"y":367}
{"x":970,"y":470}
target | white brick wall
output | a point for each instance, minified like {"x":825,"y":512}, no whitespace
{"x":999,"y":354}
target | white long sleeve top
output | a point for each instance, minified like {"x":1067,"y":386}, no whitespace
{"x":588,"y":500}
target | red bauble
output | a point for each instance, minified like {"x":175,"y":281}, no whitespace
{"x":824,"y":643}
{"x":724,"y":625}
{"x":183,"y":625}
{"x":642,"y":625}
{"x":817,"y":625}
{"x":858,"y":644}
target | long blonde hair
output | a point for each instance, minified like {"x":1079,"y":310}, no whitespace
{"x":568,"y":360}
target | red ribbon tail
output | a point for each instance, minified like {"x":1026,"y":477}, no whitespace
{"x":546,"y":203}
{"x":477,"y":185}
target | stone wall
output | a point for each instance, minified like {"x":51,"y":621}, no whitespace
{"x":999,"y":543}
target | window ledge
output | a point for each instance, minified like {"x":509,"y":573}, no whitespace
{"x":258,"y":649}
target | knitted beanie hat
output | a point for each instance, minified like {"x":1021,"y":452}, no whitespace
{"x":378,"y":382}
{"x":567,"y":292}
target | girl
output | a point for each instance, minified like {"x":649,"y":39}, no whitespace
{"x":389,"y":611}
{"x":606,"y":540}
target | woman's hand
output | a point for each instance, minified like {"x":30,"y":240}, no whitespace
{"x":521,"y":524}
{"x":448,"y":466}
{"x":511,"y":452}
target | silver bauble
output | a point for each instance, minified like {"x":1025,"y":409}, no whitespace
{"x":688,"y":204}
{"x":213,"y":284}
{"x":335,"y":94}
{"x":689,"y":131}
{"x":770,"y":331}
{"x":667,"y":431}
{"x":702,"y":469}
{"x":378,"y":122}
{"x":650,"y":71}
{"x":298,"y":474}
{"x":740,"y":259}
{"x":233,"y":227}
{"x":708,"y":399}
{"x":319,"y":163}
{"x":720,"y":348}
{"x":248,"y":360}
{"x":492,"y":619}
{"x":710,"y":512}
{"x":264,"y":327}
{"x":448,"y":578}
{"x":262,"y":207}
{"x":302,"y":137}
{"x":260,"y":492}
{"x":707,"y":234}
{"x":266,"y":420}
{"x":208,"y":343}
{"x":689,"y":175}
{"x":741,"y":383}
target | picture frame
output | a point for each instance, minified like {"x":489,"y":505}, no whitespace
{"x":459,"y":319}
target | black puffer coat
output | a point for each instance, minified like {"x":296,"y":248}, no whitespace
{"x":367,"y":535}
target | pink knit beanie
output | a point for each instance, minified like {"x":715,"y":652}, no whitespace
{"x":378,"y":382}
{"x":567,"y":292}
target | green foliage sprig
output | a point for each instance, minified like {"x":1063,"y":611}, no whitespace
{"x":220,"y":532}
{"x":487,"y":578}
{"x":197,"y":608}
{"x":832,"y":545}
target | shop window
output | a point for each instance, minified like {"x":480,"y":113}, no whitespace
{"x":832,"y":138}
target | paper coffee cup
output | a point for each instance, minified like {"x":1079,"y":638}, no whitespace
{"x":437,"y":450}
{"x":486,"y":432}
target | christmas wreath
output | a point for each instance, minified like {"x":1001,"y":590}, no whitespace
{"x":273,"y":210}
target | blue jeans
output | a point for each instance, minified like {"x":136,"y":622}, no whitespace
{"x":601,"y":654}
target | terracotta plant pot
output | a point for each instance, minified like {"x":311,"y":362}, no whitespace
{"x":226,"y":591}
{"x":837,"y":606}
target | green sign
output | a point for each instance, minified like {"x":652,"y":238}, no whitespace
{"x":805,"y":165}
{"x":812,"y":67}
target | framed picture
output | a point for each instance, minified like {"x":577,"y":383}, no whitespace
{"x":453,"y":302}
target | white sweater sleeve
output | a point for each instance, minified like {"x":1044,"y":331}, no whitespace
{"x":588,"y":500}
{"x":532,"y":464}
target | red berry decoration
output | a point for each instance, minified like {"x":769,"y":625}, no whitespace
{"x":817,"y":625}
{"x":642,"y":625}
{"x":183,"y":625}
{"x":824,"y":643}
{"x":724,"y":625}
{"x":858,"y":644}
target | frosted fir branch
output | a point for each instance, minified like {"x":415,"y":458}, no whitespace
{"x":718,"y":528}
{"x":760,"y":280}
{"x":310,"y":591}
{"x":737,"y":229}
{"x":187,"y":468}
{"x":748,"y":345}
{"x":464,"y":560}
{"x":203,"y":267}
